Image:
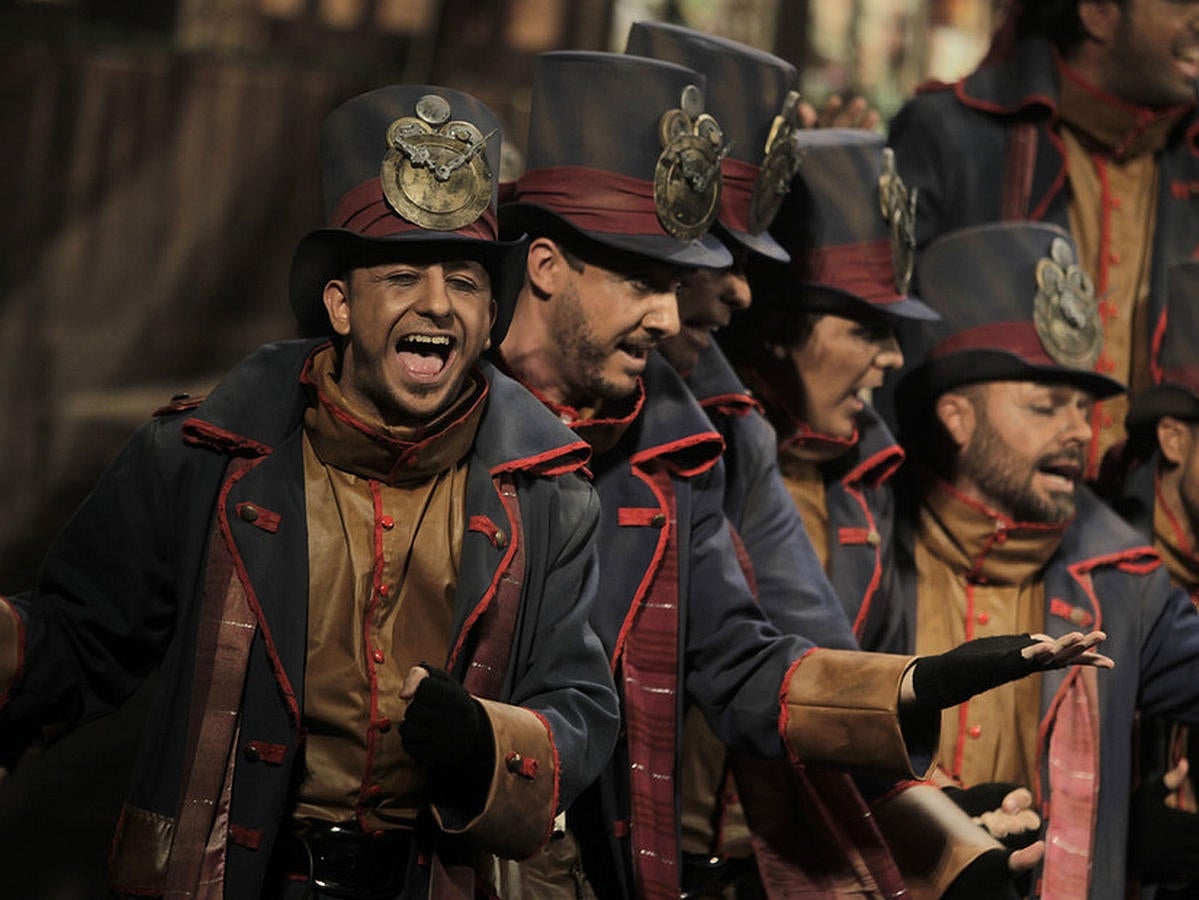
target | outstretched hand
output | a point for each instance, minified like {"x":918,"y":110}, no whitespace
{"x":836,"y":113}
{"x":953,"y":677}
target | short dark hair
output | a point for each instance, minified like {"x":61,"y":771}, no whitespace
{"x":1056,"y":20}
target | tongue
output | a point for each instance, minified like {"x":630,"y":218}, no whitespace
{"x":421,"y":363}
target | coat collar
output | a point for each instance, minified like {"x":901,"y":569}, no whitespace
{"x":717,"y":387}
{"x":672,"y":426}
{"x":520,"y":437}
{"x":1024,"y":82}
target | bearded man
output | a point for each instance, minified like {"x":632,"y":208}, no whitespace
{"x":1001,"y":535}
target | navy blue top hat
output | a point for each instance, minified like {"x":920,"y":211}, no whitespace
{"x":1015,"y":305}
{"x":1178,"y":393}
{"x":621,"y":152}
{"x":753,"y":96}
{"x":849,"y":225}
{"x":409,"y":169}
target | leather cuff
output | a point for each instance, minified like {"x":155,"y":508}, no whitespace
{"x":931,"y":839}
{"x":522,"y":801}
{"x":841,"y":708}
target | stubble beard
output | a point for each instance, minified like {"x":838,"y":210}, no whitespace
{"x":580,"y":355}
{"x":990,"y":464}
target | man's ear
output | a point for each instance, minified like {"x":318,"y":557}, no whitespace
{"x":545,"y":266}
{"x":958,"y":418}
{"x":1174,"y":439}
{"x":1100,"y":19}
{"x":337,"y":303}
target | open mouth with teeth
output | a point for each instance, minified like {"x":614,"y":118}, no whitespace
{"x":425,"y":356}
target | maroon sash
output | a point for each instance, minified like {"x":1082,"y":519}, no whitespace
{"x":650,"y":680}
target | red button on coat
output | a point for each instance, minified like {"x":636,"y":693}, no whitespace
{"x":378,"y":656}
{"x":975,"y":731}
{"x":387,"y":522}
{"x":984,"y":618}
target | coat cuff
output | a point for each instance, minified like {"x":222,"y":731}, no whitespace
{"x":931,"y":839}
{"x":841,"y":708}
{"x":12,"y":648}
{"x":523,"y":798}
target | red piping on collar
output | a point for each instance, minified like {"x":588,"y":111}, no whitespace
{"x":732,"y":404}
{"x":877,"y":469}
{"x":202,"y":433}
{"x":1135,"y":561}
{"x":558,"y":461}
{"x":1008,"y":522}
{"x":665,"y":451}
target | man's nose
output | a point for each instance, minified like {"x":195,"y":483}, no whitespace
{"x":662,"y":318}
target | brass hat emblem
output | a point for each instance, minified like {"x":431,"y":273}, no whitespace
{"x":1066,"y":313}
{"x":434,"y":173}
{"x":898,"y":205}
{"x":778,"y":167}
{"x":687,"y":176}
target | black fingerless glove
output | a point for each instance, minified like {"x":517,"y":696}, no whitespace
{"x":987,"y":878}
{"x":1163,"y":842}
{"x":955,"y":676}
{"x":446,"y":730}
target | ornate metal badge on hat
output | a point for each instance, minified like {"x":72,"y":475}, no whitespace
{"x":778,"y":167}
{"x":898,"y":205}
{"x":1066,"y":313}
{"x":434,"y":173}
{"x":687,"y":175}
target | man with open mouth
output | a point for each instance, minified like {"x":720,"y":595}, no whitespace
{"x":1083,"y":115}
{"x":999,"y":533}
{"x":363,"y":567}
{"x":615,"y":213}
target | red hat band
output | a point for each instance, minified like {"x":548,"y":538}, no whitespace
{"x":1018,"y":338}
{"x":593,"y":199}
{"x":365,"y":211}
{"x":865,"y":270}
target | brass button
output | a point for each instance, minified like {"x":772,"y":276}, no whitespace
{"x":500,"y":539}
{"x":251,"y":752}
{"x":873,"y":538}
{"x":513,"y":762}
{"x":658,"y":520}
{"x":1077,"y":616}
{"x":248,"y":513}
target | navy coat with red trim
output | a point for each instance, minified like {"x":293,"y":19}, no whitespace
{"x":952,"y":144}
{"x":1102,"y":576}
{"x":785,"y":567}
{"x":861,"y":523}
{"x":732,"y":660}
{"x":120,"y":591}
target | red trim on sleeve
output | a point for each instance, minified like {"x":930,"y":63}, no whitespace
{"x":784,"y":713}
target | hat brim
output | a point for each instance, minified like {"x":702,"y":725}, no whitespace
{"x":934,"y":377}
{"x":763,"y":244}
{"x":817,"y":297}
{"x":328,"y":253}
{"x":1150,"y":405}
{"x":705,"y":252}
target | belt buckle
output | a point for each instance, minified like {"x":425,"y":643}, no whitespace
{"x":350,"y":865}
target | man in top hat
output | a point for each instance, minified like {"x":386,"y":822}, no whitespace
{"x":1158,"y":494}
{"x":363,"y":566}
{"x":617,"y":199}
{"x":1000,"y":535}
{"x":752,"y":94}
{"x":1083,"y":115}
{"x":820,"y":340}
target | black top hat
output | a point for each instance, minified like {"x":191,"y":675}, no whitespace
{"x":753,"y":96}
{"x":411,"y":167}
{"x":849,"y":224}
{"x":621,"y":152}
{"x":1178,"y":393}
{"x":1015,"y":305}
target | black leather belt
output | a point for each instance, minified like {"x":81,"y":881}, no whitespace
{"x":348,"y":864}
